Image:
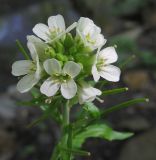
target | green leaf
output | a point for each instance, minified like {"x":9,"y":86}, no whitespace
{"x":99,"y":131}
{"x":40,"y":100}
{"x":28,"y":103}
{"x":91,"y":109}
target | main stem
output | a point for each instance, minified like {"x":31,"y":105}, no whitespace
{"x":66,"y":112}
{"x":65,"y":135}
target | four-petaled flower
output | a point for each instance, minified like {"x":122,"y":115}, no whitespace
{"x":31,"y":70}
{"x":55,"y":29}
{"x":60,"y":78}
{"x":87,"y":93}
{"x":102,"y":66}
{"x":44,"y":53}
{"x":90,"y":33}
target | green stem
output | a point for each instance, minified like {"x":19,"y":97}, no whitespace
{"x":66,"y":111}
{"x":66,"y":114}
{"x":57,"y":153}
{"x":66,"y":130}
{"x":21,"y":48}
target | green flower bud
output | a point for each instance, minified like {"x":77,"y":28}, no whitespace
{"x":81,"y":65}
{"x":59,"y":47}
{"x":72,"y":50}
{"x":61,"y":63}
{"x":65,"y":58}
{"x":71,"y":58}
{"x":69,"y":41}
{"x":59,"y":56}
{"x":49,"y":51}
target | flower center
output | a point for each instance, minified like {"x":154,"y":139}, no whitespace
{"x":89,"y":40}
{"x":54,"y":32}
{"x":61,"y":78}
{"x":100,"y":64}
{"x":32,"y":68}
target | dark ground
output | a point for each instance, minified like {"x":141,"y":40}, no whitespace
{"x":131,"y":24}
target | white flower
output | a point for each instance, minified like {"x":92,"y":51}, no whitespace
{"x":55,"y":29}
{"x":102,"y":66}
{"x":60,"y":78}
{"x":39,"y":46}
{"x":87,"y":93}
{"x":31,"y":70}
{"x":90,"y":33}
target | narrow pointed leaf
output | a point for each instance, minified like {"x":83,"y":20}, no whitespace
{"x":114,"y":91}
{"x":124,"y":105}
{"x":21,"y":48}
{"x":76,"y":151}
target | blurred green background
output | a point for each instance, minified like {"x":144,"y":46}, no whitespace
{"x":129,"y":24}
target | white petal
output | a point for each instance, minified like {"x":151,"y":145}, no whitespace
{"x":82,"y":36}
{"x":71,"y":27}
{"x":21,"y":67}
{"x":32,"y":50}
{"x":49,"y":87}
{"x":71,"y":68}
{"x":39,"y":45}
{"x":69,"y":89}
{"x":26,"y":83}
{"x":52,"y":66}
{"x":85,"y":28}
{"x":95,"y":73}
{"x":100,"y":41}
{"x":109,"y":55}
{"x":94,"y":31}
{"x":88,"y":94}
{"x":96,"y":91}
{"x":38,"y":69}
{"x":110,"y":73}
{"x":84,"y":24}
{"x":56,"y":22}
{"x":42,"y":31}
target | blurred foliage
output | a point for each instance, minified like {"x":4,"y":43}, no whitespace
{"x":124,"y":7}
{"x":127,"y":46}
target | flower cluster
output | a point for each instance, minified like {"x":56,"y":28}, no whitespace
{"x":62,"y":63}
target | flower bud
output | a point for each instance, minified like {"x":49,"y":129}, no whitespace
{"x":68,"y":41}
{"x":59,"y":47}
{"x":49,"y":51}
